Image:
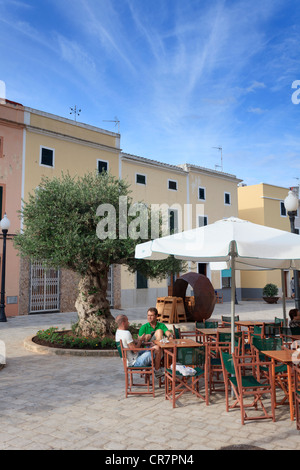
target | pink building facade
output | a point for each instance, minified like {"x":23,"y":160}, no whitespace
{"x":11,"y":156}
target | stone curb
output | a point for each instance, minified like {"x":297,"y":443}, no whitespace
{"x":37,"y":348}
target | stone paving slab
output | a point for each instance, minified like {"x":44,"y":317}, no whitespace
{"x":78,"y":403}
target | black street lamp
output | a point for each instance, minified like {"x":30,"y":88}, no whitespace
{"x":5,"y":224}
{"x":291,"y":204}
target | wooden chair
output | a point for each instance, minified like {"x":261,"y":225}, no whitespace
{"x":176,"y":384}
{"x":146,"y":384}
{"x":245,"y":386}
{"x":182,"y":334}
{"x":271,"y":344}
{"x":286,"y":333}
{"x":296,"y":372}
{"x":226,"y":321}
{"x":222,"y":343}
{"x":257,"y":332}
{"x":179,"y":315}
{"x":219,"y":297}
{"x":272,"y":330}
{"x":214,"y":348}
{"x":211,"y":324}
{"x":279,"y":321}
{"x":201,"y":325}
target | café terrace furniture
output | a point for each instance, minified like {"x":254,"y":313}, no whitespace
{"x":178,"y":333}
{"x":296,"y":373}
{"x":284,"y":356}
{"x":254,"y":327}
{"x":209,"y":334}
{"x":245,"y":386}
{"x":146,"y":384}
{"x":222,"y":343}
{"x":249,"y":324}
{"x":226,"y":320}
{"x":289,"y":335}
{"x":280,"y":370}
{"x":205,"y":324}
{"x":184,"y":352}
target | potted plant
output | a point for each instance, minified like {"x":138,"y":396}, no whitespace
{"x":270,"y":292}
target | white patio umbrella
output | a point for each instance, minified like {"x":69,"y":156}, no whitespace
{"x":241,"y":244}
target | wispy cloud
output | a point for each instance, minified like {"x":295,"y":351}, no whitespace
{"x":254,"y":86}
{"x":76,"y":55}
{"x":256,"y":110}
{"x":182,"y":77}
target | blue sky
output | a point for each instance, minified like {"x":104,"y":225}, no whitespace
{"x":182,"y":77}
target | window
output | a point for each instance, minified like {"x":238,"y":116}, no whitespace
{"x":202,"y":268}
{"x":201,"y":194}
{"x":140,"y":179}
{"x":282,"y":209}
{"x":226,"y":278}
{"x":173,"y":221}
{"x":202,"y":220}
{"x":172,"y":184}
{"x":47,"y":157}
{"x":102,"y":165}
{"x":227,"y":199}
{"x":141,"y":281}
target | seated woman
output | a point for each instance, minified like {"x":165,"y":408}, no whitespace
{"x":294,"y":318}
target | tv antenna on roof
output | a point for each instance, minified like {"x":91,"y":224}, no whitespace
{"x":219,"y":166}
{"x":116,"y":121}
{"x":75,"y":111}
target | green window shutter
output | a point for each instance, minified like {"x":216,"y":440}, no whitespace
{"x":141,"y":281}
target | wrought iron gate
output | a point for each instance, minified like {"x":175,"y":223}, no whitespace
{"x":110,"y":286}
{"x":44,"y":289}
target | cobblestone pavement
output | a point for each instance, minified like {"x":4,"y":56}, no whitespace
{"x":74,"y":402}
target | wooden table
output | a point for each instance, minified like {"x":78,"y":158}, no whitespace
{"x":173,"y":384}
{"x":211,"y":331}
{"x":180,"y":343}
{"x":294,"y":337}
{"x":249,"y":324}
{"x":285,"y":356}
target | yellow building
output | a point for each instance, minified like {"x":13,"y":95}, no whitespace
{"x":36,"y":144}
{"x":49,"y":145}
{"x":194,"y":197}
{"x":264,"y":204}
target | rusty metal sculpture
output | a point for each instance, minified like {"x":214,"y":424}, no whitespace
{"x":204,"y":295}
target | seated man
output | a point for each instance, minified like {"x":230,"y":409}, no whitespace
{"x":140,"y":358}
{"x":294,"y":318}
{"x":154,"y":329}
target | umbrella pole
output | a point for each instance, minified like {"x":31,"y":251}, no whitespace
{"x":283,"y":297}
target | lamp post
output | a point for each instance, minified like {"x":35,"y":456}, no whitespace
{"x":5,"y":224}
{"x":291,"y":204}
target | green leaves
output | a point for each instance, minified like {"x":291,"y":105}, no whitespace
{"x":60,"y":221}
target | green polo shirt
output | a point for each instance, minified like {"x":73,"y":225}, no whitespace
{"x":147,"y":328}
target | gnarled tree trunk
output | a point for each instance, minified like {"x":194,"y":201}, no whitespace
{"x":94,"y":317}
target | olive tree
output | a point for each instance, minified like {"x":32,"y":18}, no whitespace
{"x":81,"y":224}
